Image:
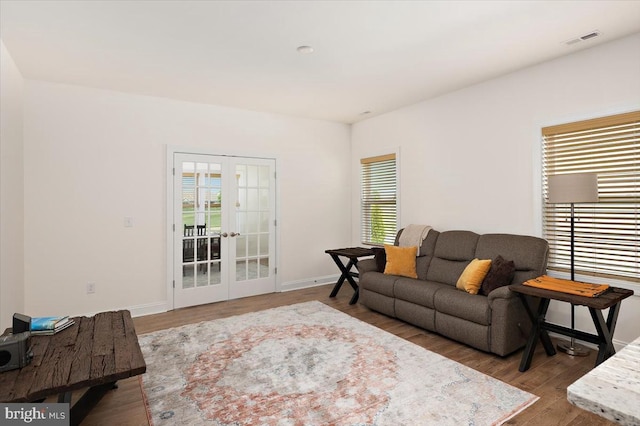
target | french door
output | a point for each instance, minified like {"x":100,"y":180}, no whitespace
{"x":224,"y":228}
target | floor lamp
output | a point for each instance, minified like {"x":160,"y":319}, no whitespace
{"x":573,"y":188}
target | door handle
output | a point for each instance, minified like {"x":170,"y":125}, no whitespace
{"x":224,"y":235}
{"x":233,"y":234}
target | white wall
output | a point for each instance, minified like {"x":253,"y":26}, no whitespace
{"x":471,"y":159}
{"x":93,"y":157}
{"x":11,"y":190}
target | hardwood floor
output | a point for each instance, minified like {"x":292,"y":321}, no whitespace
{"x":547,"y":378}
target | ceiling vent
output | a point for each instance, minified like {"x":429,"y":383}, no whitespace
{"x":589,"y":36}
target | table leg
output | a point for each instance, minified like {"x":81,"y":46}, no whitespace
{"x":354,"y":285}
{"x":537,"y":332}
{"x":64,"y":397}
{"x":90,"y":399}
{"x":530,"y":347}
{"x":349,"y":275}
{"x":355,"y":296}
{"x":337,"y":286}
{"x":345,"y":275}
{"x":605,"y":331}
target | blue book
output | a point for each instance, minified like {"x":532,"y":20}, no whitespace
{"x":50,"y":325}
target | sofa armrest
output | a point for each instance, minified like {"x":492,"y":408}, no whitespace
{"x":501,"y":293}
{"x":366,"y":265}
{"x":510,"y":324}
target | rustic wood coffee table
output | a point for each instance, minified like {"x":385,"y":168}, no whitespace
{"x":93,"y":353}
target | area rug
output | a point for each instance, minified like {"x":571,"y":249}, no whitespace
{"x":309,"y":364}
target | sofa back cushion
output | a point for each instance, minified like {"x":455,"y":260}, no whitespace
{"x":426,"y":252}
{"x":529,"y":254}
{"x":453,"y":251}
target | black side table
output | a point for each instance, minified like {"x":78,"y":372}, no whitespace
{"x":540,"y":327}
{"x":352,"y":253}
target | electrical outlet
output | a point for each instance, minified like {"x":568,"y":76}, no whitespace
{"x":91,"y":288}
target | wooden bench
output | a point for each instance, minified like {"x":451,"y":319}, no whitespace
{"x":93,"y":353}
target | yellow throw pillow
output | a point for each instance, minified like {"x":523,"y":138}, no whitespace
{"x":472,"y":276}
{"x":401,"y":261}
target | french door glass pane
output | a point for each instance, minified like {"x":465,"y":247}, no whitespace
{"x":264,"y":267}
{"x":201,"y":219}
{"x":264,"y":244}
{"x":241,"y":246}
{"x":252,"y":221}
{"x":241,"y":270}
{"x":252,"y":246}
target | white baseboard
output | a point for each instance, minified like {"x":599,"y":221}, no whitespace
{"x":617,"y":344}
{"x":307,"y":283}
{"x":136,"y":311}
{"x":160,"y":307}
{"x":148,"y":309}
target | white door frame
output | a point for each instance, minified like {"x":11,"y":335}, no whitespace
{"x":169,"y":232}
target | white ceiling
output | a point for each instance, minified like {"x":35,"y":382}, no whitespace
{"x":372,"y":56}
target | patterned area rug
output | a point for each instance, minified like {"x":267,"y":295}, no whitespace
{"x":309,"y":364}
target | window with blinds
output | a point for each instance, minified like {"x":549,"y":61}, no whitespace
{"x":378,"y":199}
{"x":607,"y":233}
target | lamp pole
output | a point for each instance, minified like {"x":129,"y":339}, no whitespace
{"x":573,"y":188}
{"x":571,"y":348}
{"x":573,"y":275}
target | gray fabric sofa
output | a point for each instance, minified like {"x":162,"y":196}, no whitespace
{"x":495,"y":323}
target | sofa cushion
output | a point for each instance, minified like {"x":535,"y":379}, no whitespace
{"x":425,"y":253}
{"x":446,"y":271}
{"x":470,"y":333}
{"x":378,"y":282}
{"x":471,"y":278}
{"x":401,"y":261}
{"x":378,"y":302}
{"x":416,"y":314}
{"x":500,"y":274}
{"x":422,"y":266}
{"x":456,"y":245}
{"x":529,"y":254}
{"x":417,"y":291}
{"x":453,"y":252}
{"x":471,"y":307}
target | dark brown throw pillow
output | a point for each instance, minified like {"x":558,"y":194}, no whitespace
{"x":500,"y":274}
{"x":381,"y":258}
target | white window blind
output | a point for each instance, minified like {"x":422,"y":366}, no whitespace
{"x":378,"y":199}
{"x":607,"y":233}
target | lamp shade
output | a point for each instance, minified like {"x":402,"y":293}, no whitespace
{"x":573,"y":188}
